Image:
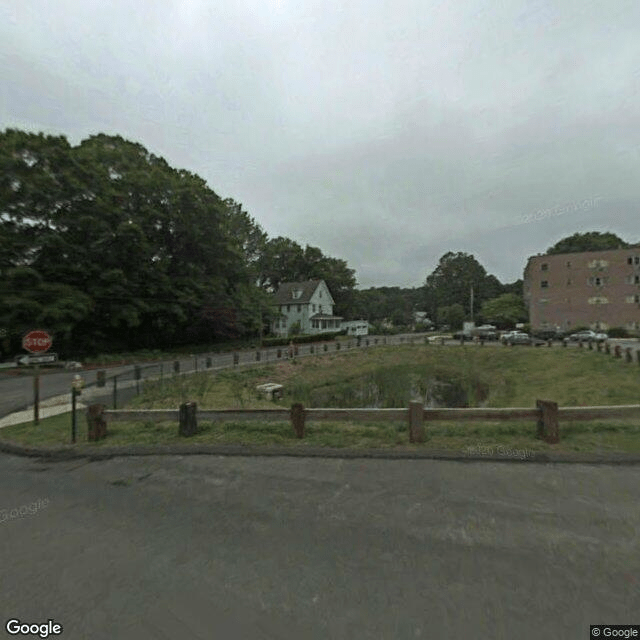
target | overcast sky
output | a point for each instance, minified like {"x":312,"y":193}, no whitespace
{"x":385,"y":132}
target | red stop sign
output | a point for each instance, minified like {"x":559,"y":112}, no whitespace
{"x":36,"y":341}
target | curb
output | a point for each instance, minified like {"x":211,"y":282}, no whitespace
{"x":94,"y":453}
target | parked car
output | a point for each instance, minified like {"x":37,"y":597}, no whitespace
{"x":506,"y":335}
{"x":588,"y":336}
{"x":486,"y":332}
{"x":518,"y":337}
{"x":548,"y":334}
{"x":461,"y":335}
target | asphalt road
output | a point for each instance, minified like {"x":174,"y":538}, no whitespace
{"x":277,"y":548}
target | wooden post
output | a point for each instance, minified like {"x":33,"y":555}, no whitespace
{"x":115,"y":392}
{"x":297,"y":419}
{"x":590,"y":345}
{"x":236,"y":359}
{"x":208,"y":362}
{"x":73,"y":414}
{"x":257,"y":356}
{"x":416,"y":422}
{"x":176,"y":366}
{"x":580,"y":343}
{"x":598,"y":347}
{"x":628,"y":355}
{"x":101,"y":378}
{"x":279,"y":353}
{"x":188,"y":422}
{"x":607,"y":348}
{"x":325,"y":346}
{"x":36,"y":395}
{"x":548,"y":421}
{"x":617,"y":352}
{"x":96,"y":422}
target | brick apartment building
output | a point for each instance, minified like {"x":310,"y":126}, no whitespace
{"x":598,"y":289}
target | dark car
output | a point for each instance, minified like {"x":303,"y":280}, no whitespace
{"x":550,"y":334}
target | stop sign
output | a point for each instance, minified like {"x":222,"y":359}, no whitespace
{"x":36,"y":341}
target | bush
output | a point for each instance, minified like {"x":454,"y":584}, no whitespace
{"x":320,"y":337}
{"x":618,"y":332}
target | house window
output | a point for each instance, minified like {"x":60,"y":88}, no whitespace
{"x":544,"y":266}
{"x":544,"y":284}
{"x":314,"y":308}
{"x":299,"y":308}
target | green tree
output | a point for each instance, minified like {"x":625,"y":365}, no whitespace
{"x":505,"y":310}
{"x":452,"y":280}
{"x":452,"y":315}
{"x":589,"y":241}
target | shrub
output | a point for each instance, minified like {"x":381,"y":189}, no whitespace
{"x":618,"y":332}
{"x":320,"y":337}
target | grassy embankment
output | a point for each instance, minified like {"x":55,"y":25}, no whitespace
{"x":390,"y":376}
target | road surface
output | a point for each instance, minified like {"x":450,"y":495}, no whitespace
{"x":201,"y":547}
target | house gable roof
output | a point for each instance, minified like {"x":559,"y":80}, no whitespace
{"x":284,"y":295}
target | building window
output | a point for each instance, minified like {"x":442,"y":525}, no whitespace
{"x":544,"y":266}
{"x":568,"y":282}
{"x":636,"y":279}
{"x":629,"y":260}
{"x":568,"y":263}
{"x":636,"y":260}
{"x":544,"y":284}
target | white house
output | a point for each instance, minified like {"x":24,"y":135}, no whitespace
{"x":356,"y":327}
{"x":309,"y":303}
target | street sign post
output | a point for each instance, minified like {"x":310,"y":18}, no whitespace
{"x":36,"y":341}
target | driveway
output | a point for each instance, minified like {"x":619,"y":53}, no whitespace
{"x":213,"y":547}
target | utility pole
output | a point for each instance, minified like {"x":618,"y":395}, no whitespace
{"x":471,"y":303}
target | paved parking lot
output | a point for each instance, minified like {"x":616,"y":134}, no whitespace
{"x":212,"y":547}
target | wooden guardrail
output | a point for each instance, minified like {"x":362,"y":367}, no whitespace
{"x":546,"y":415}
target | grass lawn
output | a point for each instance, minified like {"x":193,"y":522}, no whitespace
{"x":506,"y":377}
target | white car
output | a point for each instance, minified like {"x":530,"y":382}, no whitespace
{"x":504,"y":338}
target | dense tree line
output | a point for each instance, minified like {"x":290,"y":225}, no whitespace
{"x":108,"y":247}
